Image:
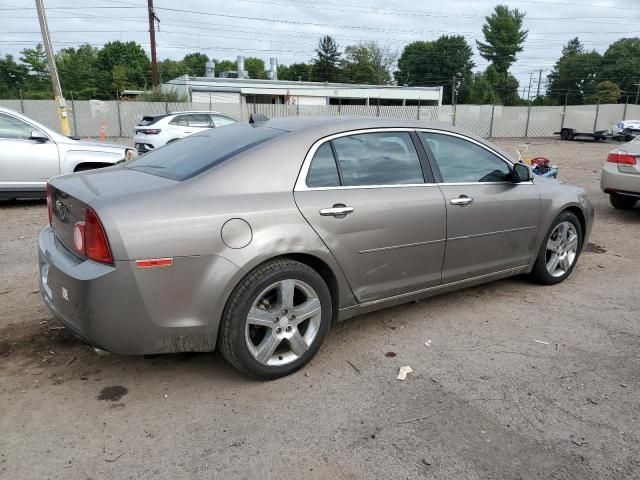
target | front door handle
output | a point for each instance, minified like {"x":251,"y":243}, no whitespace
{"x":338,"y":210}
{"x":462,"y":201}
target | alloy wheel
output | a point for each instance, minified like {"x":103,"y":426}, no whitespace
{"x":283,"y":322}
{"x":562,"y":249}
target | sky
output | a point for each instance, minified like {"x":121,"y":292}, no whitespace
{"x":289,"y":29}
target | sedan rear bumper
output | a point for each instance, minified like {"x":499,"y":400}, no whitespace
{"x":613,"y":180}
{"x":133,"y":311}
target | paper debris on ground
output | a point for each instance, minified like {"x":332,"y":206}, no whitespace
{"x":403,"y":372}
{"x":542,"y":342}
{"x":428,"y":343}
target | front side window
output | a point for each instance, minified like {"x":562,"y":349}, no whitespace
{"x":381,"y":158}
{"x":14,"y":129}
{"x":462,"y":161}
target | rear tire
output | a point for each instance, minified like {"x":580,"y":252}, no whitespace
{"x":559,"y":251}
{"x":622,"y":202}
{"x":275,"y":320}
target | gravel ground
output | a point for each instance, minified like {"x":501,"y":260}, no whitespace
{"x":486,"y":400}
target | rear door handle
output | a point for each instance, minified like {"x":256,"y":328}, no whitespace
{"x":339,"y":210}
{"x":462,"y":201}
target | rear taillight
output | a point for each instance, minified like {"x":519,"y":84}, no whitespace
{"x":49,"y":203}
{"x":150,"y":131}
{"x":623,"y":158}
{"x":90,"y":240}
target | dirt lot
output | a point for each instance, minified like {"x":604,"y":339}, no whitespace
{"x":485,"y":399}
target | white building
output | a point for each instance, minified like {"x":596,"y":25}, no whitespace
{"x":216,"y":90}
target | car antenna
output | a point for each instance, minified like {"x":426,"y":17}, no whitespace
{"x":258,"y":118}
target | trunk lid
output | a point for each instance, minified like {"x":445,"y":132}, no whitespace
{"x":72,"y":194}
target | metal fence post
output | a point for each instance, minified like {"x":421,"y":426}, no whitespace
{"x":73,"y":116}
{"x":493,"y":109}
{"x":453,"y":114}
{"x":595,"y":121}
{"x":119,"y":117}
{"x":166,"y":106}
{"x":22,"y":102}
{"x":626,"y":105}
{"x":418,"y":114}
{"x":378,"y":108}
{"x":298,"y":107}
{"x":526,"y":128}
{"x":564,"y":113}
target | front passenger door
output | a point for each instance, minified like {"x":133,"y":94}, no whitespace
{"x":492,"y":223}
{"x":26,"y":164}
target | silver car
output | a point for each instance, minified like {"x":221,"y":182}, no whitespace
{"x":288,"y":225}
{"x":620,"y":176}
{"x":30,"y":154}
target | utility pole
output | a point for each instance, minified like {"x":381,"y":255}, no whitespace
{"x":539,"y":82}
{"x":453,"y":91}
{"x":152,"y":41}
{"x":529,"y":92}
{"x":61,"y":105}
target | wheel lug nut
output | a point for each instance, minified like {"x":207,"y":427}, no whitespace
{"x":288,"y":328}
{"x":292,"y":317}
{"x":278,"y":330}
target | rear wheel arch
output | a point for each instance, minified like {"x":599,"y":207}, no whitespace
{"x":313,"y":262}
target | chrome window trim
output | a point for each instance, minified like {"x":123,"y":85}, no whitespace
{"x":301,"y":182}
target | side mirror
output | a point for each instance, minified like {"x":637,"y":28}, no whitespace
{"x":521,"y":173}
{"x":38,"y":136}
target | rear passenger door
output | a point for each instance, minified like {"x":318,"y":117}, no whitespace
{"x":492,"y":222}
{"x":370,"y":196}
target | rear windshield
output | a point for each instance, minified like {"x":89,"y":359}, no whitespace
{"x":146,"y":121}
{"x":193,"y":155}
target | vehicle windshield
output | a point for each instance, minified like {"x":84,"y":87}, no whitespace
{"x":197,"y":153}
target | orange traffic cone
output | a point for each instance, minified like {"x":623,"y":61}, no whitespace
{"x":103,"y":132}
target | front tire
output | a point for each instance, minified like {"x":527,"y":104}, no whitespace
{"x":622,"y":202}
{"x":560,"y":250}
{"x":276,"y":320}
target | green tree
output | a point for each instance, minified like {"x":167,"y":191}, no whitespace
{"x":13,"y":77}
{"x":78,"y":71}
{"x":574,"y":75}
{"x":295,"y":72}
{"x":255,"y":67}
{"x":435,"y":62}
{"x":134,"y":67}
{"x":326,"y":64}
{"x":504,"y":37}
{"x":493,"y":86}
{"x":621,"y":64}
{"x":225,"y":66}
{"x":38,"y":81}
{"x":194,"y":64}
{"x":604,"y":92}
{"x":169,"y":69}
{"x":368,"y":63}
{"x":481,"y":92}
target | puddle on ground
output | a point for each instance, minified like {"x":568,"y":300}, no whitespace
{"x":113,"y":394}
{"x":593,"y":248}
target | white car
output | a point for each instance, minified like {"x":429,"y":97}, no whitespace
{"x":626,"y":130}
{"x":154,"y":131}
{"x":30,"y":154}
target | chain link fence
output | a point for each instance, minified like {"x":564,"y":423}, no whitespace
{"x":118,"y":118}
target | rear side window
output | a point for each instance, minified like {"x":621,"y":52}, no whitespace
{"x":382,"y":158}
{"x":462,"y":161}
{"x":323,"y":171}
{"x":221,"y":121}
{"x":148,"y":120}
{"x":197,"y":153}
{"x":180,"y":120}
{"x":199,"y":120}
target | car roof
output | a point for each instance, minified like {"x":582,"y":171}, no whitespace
{"x":197,"y":111}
